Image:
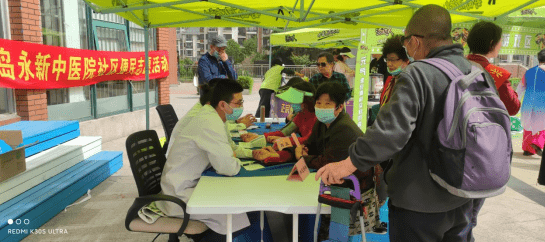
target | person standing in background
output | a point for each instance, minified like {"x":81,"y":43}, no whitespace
{"x":341,"y":66}
{"x":271,"y":83}
{"x":325,"y":66}
{"x":215,"y":63}
{"x":531,"y":89}
{"x":484,"y":41}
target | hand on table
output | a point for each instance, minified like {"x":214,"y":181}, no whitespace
{"x":272,"y":139}
{"x":333,"y":173}
{"x":264,"y":153}
{"x":300,"y":151}
{"x":247,"y":137}
{"x":290,"y":117}
{"x":247,"y":120}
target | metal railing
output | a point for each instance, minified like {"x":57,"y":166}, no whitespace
{"x":256,"y":71}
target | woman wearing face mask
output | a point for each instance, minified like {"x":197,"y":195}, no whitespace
{"x":303,"y":104}
{"x":396,"y":60}
{"x":331,"y":137}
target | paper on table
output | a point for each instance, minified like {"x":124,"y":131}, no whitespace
{"x":250,"y":167}
{"x":238,"y":134}
{"x":253,"y":127}
{"x":246,"y":145}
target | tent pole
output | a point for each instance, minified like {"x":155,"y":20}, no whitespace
{"x":146,"y":64}
{"x":270,"y":55}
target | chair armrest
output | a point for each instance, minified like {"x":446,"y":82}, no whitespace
{"x":140,"y":202}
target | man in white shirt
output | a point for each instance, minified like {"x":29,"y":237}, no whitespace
{"x":205,"y":98}
{"x":200,"y":144}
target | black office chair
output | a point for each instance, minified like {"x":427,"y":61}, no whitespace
{"x":168,"y":119}
{"x":147,"y":161}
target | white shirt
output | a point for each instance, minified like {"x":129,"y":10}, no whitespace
{"x":182,"y":122}
{"x":240,"y":152}
{"x":200,"y":144}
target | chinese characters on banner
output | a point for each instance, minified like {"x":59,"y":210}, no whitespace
{"x":35,"y":66}
{"x":362,"y":80}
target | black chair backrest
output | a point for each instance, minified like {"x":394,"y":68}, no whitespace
{"x":147,"y":161}
{"x":168,"y":119}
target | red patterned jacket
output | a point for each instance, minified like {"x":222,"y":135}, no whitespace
{"x":501,"y":76}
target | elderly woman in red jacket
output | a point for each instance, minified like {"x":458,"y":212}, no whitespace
{"x":484,"y":41}
{"x":302,"y":124}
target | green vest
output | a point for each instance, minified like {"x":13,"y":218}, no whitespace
{"x":273,"y":78}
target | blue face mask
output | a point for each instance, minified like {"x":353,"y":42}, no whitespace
{"x":296,"y":108}
{"x":325,"y":115}
{"x":216,"y":54}
{"x":396,"y":71}
{"x":411,"y":59}
{"x":235,"y":114}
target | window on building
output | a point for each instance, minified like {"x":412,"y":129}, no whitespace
{"x":65,"y":103}
{"x":52,"y":22}
{"x":212,"y":35}
{"x":228,"y":36}
{"x":111,"y":35}
{"x":7,"y":102}
{"x":137,"y":38}
{"x":83,"y":30}
{"x":137,"y":43}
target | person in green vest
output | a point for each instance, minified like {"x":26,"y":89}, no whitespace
{"x":271,"y":83}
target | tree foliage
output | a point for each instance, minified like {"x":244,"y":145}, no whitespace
{"x":234,"y":51}
{"x":301,"y":60}
{"x":250,"y":47}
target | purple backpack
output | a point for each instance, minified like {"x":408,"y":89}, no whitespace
{"x":473,"y":152}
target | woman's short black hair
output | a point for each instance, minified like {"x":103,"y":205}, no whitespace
{"x":307,"y":87}
{"x":276,"y":61}
{"x":336,"y":92}
{"x":483,"y":37}
{"x":394,"y":45}
{"x":541,"y":56}
{"x":328,"y":56}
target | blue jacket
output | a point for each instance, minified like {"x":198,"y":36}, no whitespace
{"x":210,"y":68}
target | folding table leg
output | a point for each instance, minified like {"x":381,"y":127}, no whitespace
{"x":316,"y":227}
{"x":295,"y":227}
{"x":262,"y":221}
{"x":229,"y":234}
{"x":362,"y":224}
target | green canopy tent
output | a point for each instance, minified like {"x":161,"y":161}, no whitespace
{"x":317,"y":38}
{"x":533,"y":18}
{"x":292,"y":14}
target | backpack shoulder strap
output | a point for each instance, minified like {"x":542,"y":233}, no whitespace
{"x":445,"y":66}
{"x":454,"y":73}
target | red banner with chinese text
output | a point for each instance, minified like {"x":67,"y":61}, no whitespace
{"x":35,"y":66}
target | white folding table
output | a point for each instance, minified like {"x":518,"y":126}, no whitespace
{"x":236,"y":195}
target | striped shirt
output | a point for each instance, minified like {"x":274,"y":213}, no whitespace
{"x":319,"y":78}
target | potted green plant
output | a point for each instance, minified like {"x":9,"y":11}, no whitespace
{"x":247,"y":83}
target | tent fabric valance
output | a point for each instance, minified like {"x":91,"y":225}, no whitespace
{"x":292,"y":14}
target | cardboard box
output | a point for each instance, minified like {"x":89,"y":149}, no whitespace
{"x":12,"y":162}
